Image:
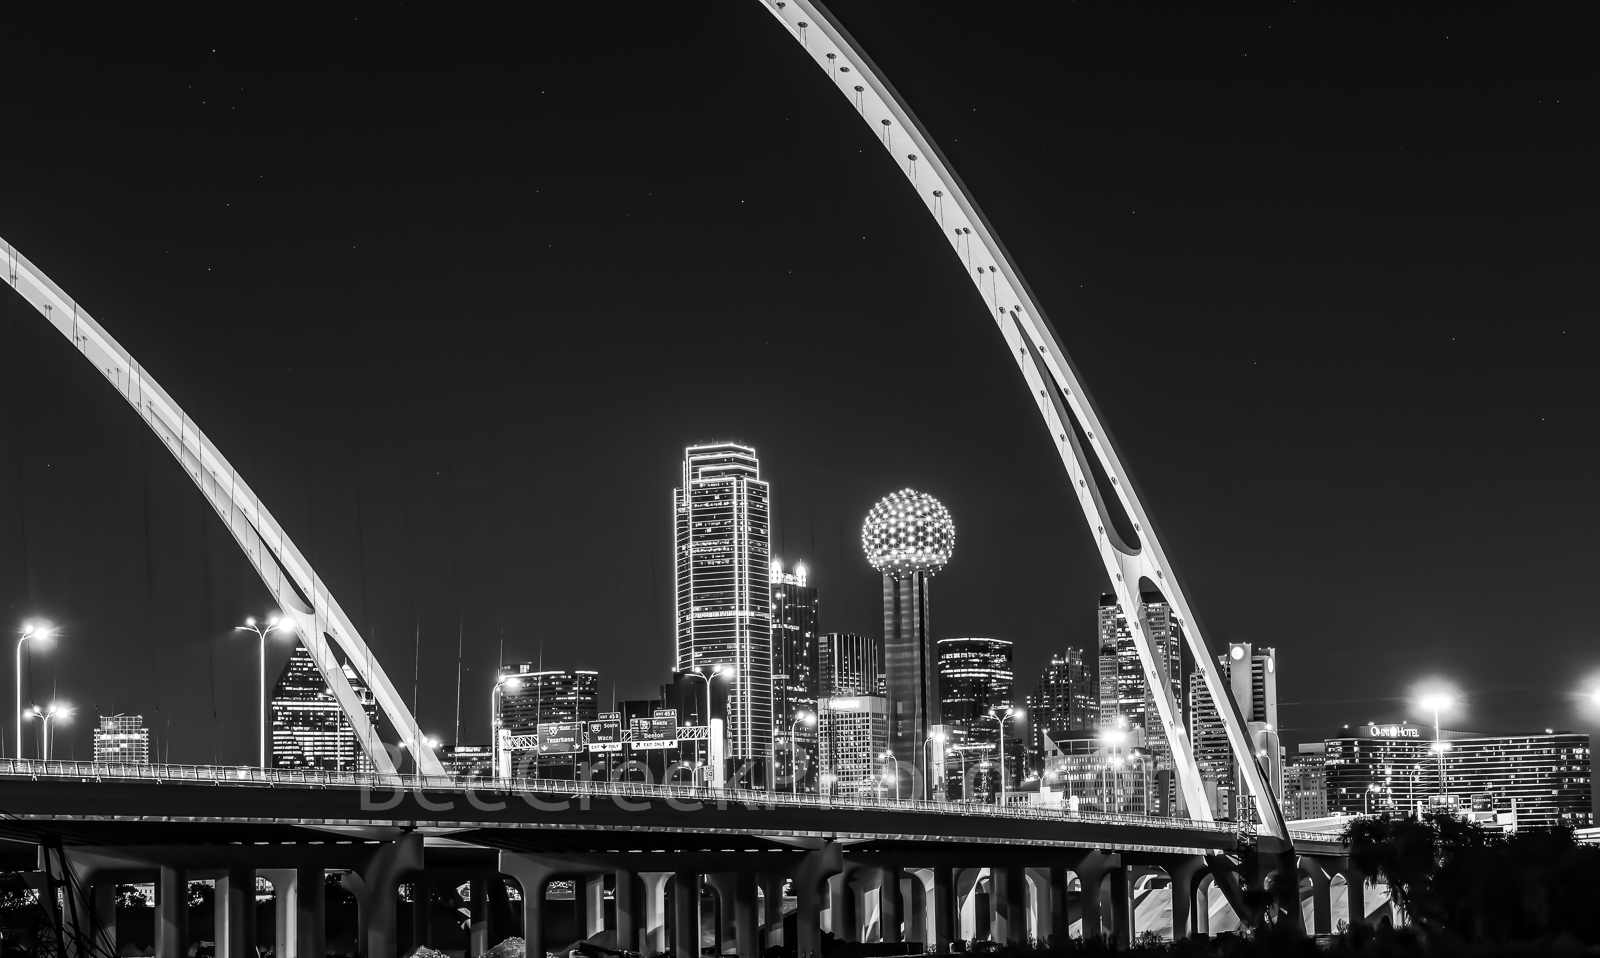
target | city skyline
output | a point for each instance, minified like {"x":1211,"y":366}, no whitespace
{"x":420,"y":534}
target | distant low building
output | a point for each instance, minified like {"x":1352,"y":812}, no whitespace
{"x":1305,"y":783}
{"x":122,"y":740}
{"x":1110,"y":772}
{"x":1532,"y":780}
{"x":855,"y":736}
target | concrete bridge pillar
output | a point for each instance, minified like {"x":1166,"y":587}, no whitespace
{"x":172,"y":912}
{"x":1356,"y":896}
{"x":843,"y":918}
{"x":655,"y":912}
{"x":594,"y":904}
{"x":771,"y":910}
{"x":235,"y":904}
{"x":1121,"y":910}
{"x":1039,"y":923}
{"x":377,"y":887}
{"x":421,"y":912}
{"x":1321,"y":896}
{"x":810,"y":878}
{"x":103,"y":912}
{"x":531,"y":876}
{"x":685,"y":914}
{"x":627,"y":904}
{"x":310,"y":905}
{"x":722,"y":885}
{"x":1010,"y":902}
{"x":1090,"y":872}
{"x":1060,"y":924}
{"x":944,"y":907}
{"x":889,"y":905}
{"x":915,"y":896}
{"x":1183,"y":874}
{"x":478,"y":910}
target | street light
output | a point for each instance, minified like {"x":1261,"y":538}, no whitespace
{"x":29,"y":631}
{"x":928,"y":758}
{"x":1371,"y":791}
{"x":890,"y":756}
{"x":54,"y":711}
{"x":1015,"y":714}
{"x":1437,"y":703}
{"x":713,"y":744}
{"x":794,"y":777}
{"x":273,"y":625}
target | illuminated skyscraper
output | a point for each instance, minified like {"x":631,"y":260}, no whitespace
{"x":1067,"y":700}
{"x":309,"y":729}
{"x":526,"y":698}
{"x":849,"y":664}
{"x":794,"y":680}
{"x":1124,"y":693}
{"x":908,"y":537}
{"x":1252,"y":676}
{"x":723,"y":597}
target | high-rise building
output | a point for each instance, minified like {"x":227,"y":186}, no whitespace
{"x":526,"y":698}
{"x":1251,"y":674}
{"x":1305,"y":782}
{"x":1531,"y":780}
{"x":908,"y":537}
{"x":854,"y":733}
{"x":794,"y":680}
{"x":723,"y":597}
{"x":122,"y":739}
{"x":309,"y":729}
{"x":849,"y":664}
{"x":1125,"y":695}
{"x":1067,"y":700}
{"x":975,"y":680}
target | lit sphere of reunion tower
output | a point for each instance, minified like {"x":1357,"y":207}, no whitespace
{"x":908,"y":532}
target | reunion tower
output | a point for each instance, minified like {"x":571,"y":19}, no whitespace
{"x":908,"y":536}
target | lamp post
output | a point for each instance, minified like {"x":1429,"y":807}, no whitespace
{"x":54,"y":711}
{"x":1437,"y":703}
{"x":29,"y":631}
{"x":273,"y":625}
{"x":794,"y":777}
{"x":1372,"y":790}
{"x":1008,"y":713}
{"x":887,"y":757}
{"x":713,"y":741}
{"x":928,"y":758}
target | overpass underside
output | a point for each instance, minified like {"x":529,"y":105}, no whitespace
{"x":639,"y":864}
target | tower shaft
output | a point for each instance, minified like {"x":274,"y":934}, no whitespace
{"x":911,"y":668}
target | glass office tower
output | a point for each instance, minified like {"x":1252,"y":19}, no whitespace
{"x":723,"y":598}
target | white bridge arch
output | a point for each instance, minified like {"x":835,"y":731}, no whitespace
{"x":1062,"y":402}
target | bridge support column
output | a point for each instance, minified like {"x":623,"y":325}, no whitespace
{"x":1090,"y":871}
{"x":1009,"y":901}
{"x":889,"y":905}
{"x":531,"y":876}
{"x":172,"y":913}
{"x":1060,"y":924}
{"x":1183,"y":872}
{"x":1355,"y":891}
{"x":478,"y":910}
{"x":594,"y":903}
{"x":944,"y":907}
{"x":421,"y":913}
{"x":685,"y":914}
{"x":746,"y":923}
{"x":1121,"y":912}
{"x":627,"y":903}
{"x":722,"y":888}
{"x":377,"y":888}
{"x":235,"y":904}
{"x":813,"y":875}
{"x":310,"y":905}
{"x":916,"y":898}
{"x":655,"y":912}
{"x":771,"y":911}
{"x":103,"y":909}
{"x":1321,"y":897}
{"x":842,"y":912}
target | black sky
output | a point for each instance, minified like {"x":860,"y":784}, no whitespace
{"x":453,"y":289}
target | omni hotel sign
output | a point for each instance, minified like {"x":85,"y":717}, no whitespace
{"x":1390,"y":731}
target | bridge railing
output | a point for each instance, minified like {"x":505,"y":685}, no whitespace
{"x":222,"y":775}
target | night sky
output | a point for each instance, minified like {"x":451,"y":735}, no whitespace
{"x":454,"y":291}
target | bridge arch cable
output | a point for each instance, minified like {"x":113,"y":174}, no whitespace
{"x":302,"y":595}
{"x":1063,"y":403}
